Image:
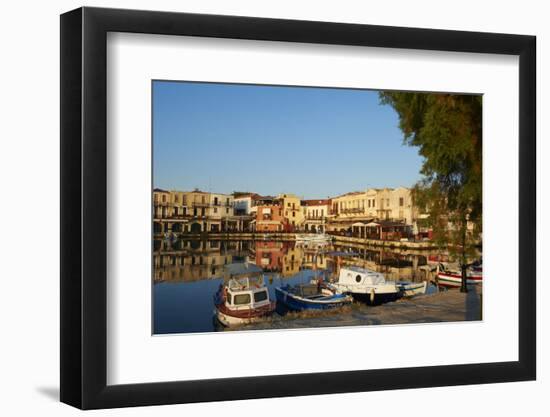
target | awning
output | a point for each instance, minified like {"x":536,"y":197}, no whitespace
{"x":358,"y":224}
{"x":372,"y":224}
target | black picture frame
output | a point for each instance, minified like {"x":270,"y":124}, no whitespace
{"x":84,"y":207}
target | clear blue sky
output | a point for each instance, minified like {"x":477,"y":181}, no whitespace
{"x":313,"y":142}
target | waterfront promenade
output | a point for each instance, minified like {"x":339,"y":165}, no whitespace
{"x":444,"y":306}
{"x":291,"y":237}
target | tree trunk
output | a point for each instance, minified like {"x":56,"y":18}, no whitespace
{"x":463,"y":266}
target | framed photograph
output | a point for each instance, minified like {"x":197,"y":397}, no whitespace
{"x":257,"y":208}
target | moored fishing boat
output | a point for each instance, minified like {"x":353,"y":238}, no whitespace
{"x":410,"y":289}
{"x":311,"y":296}
{"x":244,"y":299}
{"x":366,"y":285}
{"x":448,"y":276}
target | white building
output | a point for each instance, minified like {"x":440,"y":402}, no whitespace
{"x":315,"y":213}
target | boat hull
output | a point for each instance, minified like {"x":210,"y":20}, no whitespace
{"x":413,"y":288}
{"x":377,"y":298}
{"x":229,"y":317}
{"x":292,"y":302}
{"x":373,"y":295}
{"x":455,"y":280}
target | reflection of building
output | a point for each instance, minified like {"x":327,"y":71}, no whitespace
{"x":292,"y":261}
{"x":269,"y":254}
{"x":315,"y":214}
{"x":315,"y":260}
{"x":192,"y":260}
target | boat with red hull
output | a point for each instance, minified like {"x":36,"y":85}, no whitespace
{"x":447,"y":277}
{"x":244,"y":299}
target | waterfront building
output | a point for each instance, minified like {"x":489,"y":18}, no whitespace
{"x":244,"y":207}
{"x":269,"y":218}
{"x":220,"y":215}
{"x":315,"y":215}
{"x":162,"y":203}
{"x":292,"y":212}
{"x":243,"y":203}
{"x":358,"y":208}
{"x":194,"y":212}
{"x":347,"y":209}
{"x":395,"y":204}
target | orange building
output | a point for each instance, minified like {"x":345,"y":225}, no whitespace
{"x":269,"y":218}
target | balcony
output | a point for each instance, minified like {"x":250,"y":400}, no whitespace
{"x":355,"y":210}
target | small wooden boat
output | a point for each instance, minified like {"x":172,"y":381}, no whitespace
{"x":366,"y":285}
{"x":452,"y":277}
{"x":410,"y":289}
{"x":311,"y":296}
{"x":244,"y":299}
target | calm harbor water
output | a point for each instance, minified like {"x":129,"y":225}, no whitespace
{"x":187,"y":274}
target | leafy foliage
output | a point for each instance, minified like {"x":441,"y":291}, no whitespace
{"x":447,"y":130}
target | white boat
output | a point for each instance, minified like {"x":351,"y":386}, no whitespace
{"x":366,"y":285}
{"x":410,"y":289}
{"x":244,"y":299}
{"x":313,"y":237}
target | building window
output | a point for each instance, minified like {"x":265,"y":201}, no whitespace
{"x":215,"y":210}
{"x":227,"y":210}
{"x":164,"y":199}
{"x":400,"y":201}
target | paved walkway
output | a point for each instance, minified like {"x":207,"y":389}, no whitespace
{"x":445,"y":306}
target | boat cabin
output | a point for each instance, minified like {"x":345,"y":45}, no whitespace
{"x":246,"y":293}
{"x":356,"y":276}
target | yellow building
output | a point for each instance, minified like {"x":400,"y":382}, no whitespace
{"x":356,"y":207}
{"x":292,"y":211}
{"x":193,"y":212}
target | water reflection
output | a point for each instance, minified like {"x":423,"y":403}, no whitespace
{"x":188,"y":272}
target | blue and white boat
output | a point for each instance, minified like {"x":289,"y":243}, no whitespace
{"x":312,"y":296}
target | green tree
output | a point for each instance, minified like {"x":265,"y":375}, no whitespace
{"x":447,"y":130}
